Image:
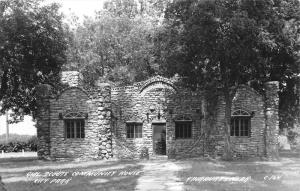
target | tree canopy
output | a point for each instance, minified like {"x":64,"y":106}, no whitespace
{"x":115,"y":48}
{"x":254,"y":40}
{"x":222,"y":44}
{"x":117,"y":44}
{"x":212,"y":44}
{"x":32,"y":50}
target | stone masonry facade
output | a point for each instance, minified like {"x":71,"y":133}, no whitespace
{"x":145,"y":118}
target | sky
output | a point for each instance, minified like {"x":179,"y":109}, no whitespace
{"x":27,"y":127}
{"x":79,"y":8}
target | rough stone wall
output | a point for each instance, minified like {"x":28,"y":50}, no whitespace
{"x":101,"y":119}
{"x":252,"y":102}
{"x":272,"y":119}
{"x":93,"y":103}
{"x":133,"y":104}
{"x":189,"y":104}
{"x":248,"y":100}
{"x":96,"y":104}
{"x":42,"y":115}
{"x":297,"y":123}
{"x":157,"y":100}
{"x":71,"y":100}
{"x":71,"y":78}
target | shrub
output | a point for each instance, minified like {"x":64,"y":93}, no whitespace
{"x":17,"y":143}
{"x":33,"y":142}
{"x":14,"y":138}
{"x":144,"y":153}
{"x":292,"y":135}
{"x":172,"y":153}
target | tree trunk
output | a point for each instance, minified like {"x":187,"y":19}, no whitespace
{"x":3,"y":85}
{"x":227,"y":120}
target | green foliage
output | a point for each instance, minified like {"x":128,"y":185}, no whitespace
{"x":216,"y":44}
{"x":144,"y":153}
{"x":117,"y":45}
{"x":288,"y":104}
{"x":16,"y":143}
{"x":231,"y":42}
{"x":132,"y":8}
{"x":32,"y":50}
{"x":292,"y":137}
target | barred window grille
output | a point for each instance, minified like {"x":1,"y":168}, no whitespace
{"x":183,"y":130}
{"x":74,"y":128}
{"x":240,"y":124}
{"x":134,"y":130}
{"x":183,"y":127}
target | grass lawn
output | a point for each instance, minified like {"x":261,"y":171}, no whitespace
{"x":283,"y":175}
{"x":21,"y":175}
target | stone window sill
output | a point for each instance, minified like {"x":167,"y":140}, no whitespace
{"x":74,"y":139}
{"x":183,"y":139}
{"x":240,"y":139}
{"x":134,"y":138}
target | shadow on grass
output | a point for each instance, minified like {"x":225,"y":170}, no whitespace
{"x":252,"y":175}
{"x":16,"y":177}
{"x":27,"y":165}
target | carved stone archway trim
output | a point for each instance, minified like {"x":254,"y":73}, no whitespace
{"x":157,"y":82}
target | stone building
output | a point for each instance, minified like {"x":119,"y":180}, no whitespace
{"x":156,"y":117}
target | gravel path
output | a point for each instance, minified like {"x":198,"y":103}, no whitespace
{"x":159,"y":175}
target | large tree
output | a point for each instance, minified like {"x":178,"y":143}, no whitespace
{"x":117,"y":48}
{"x":132,"y":8}
{"x":217,"y":44}
{"x":32,"y":50}
{"x":118,"y":43}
